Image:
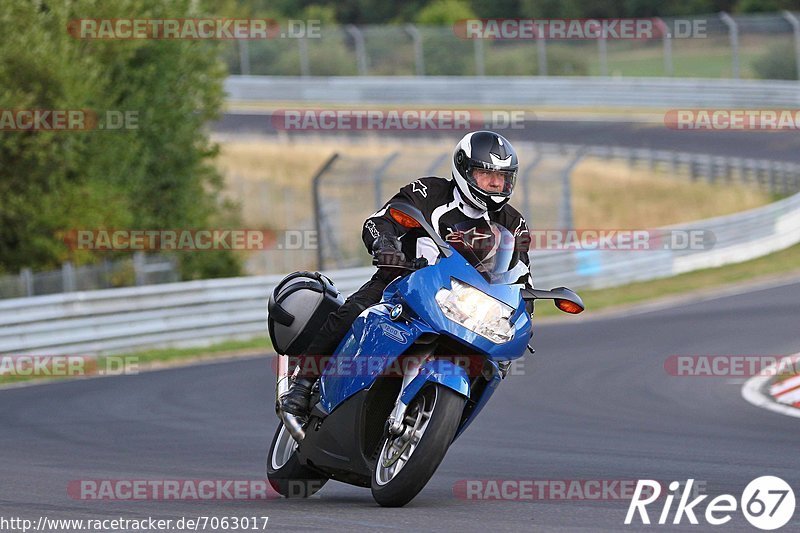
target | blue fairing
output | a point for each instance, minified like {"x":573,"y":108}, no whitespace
{"x":375,"y":341}
{"x":419,"y":289}
{"x":438,"y":371}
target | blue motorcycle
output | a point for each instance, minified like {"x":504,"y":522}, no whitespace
{"x":411,"y":374}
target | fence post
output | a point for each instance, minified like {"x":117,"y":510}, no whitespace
{"x":361,"y":48}
{"x":666,"y":40}
{"x":742,"y":171}
{"x":244,"y":57}
{"x":712,"y":169}
{"x":377,"y":178}
{"x":785,"y":177}
{"x":602,"y":50}
{"x":26,"y":280}
{"x":526,"y":186}
{"x":305,"y":64}
{"x":315,"y":183}
{"x":773,"y":177}
{"x":675,"y":164}
{"x":733,"y":32}
{"x":106,"y":269}
{"x":541,"y":51}
{"x":419,"y":55}
{"x":435,"y":164}
{"x":67,"y":277}
{"x":788,"y":15}
{"x":480,"y":68}
{"x":139,"y":269}
{"x":565,"y":214}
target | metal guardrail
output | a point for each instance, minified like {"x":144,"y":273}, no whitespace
{"x":202,"y":312}
{"x":120,"y":320}
{"x":517,"y":91}
{"x":738,"y":237}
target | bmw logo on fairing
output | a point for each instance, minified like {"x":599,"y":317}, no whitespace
{"x":396,"y":311}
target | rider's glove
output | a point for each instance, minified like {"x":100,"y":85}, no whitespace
{"x":386,"y":250}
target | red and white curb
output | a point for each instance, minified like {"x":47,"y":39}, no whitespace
{"x":779,"y":396}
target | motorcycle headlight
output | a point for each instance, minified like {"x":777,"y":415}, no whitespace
{"x":476,"y":311}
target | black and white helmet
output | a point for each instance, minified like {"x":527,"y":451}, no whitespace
{"x":482,"y":156}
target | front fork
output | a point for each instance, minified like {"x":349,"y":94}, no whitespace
{"x":411,"y":366}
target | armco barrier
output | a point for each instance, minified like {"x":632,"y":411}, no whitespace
{"x":527,"y":91}
{"x":201,"y":312}
{"x":120,"y":320}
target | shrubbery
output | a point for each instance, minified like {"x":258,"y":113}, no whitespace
{"x":157,"y":176}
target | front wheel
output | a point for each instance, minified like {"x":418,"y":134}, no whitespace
{"x":408,"y":461}
{"x":285,"y":473}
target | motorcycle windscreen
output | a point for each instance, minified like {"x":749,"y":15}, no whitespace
{"x":490,"y":248}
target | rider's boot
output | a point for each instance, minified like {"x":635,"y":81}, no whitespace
{"x":296,"y":400}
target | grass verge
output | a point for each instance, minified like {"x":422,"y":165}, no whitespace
{"x":131,"y":362}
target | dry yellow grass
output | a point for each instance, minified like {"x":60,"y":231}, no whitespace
{"x":610,"y":194}
{"x":272,"y":181}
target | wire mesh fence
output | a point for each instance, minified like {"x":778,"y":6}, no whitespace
{"x":140,"y":269}
{"x":353,"y":188}
{"x":713,"y":46}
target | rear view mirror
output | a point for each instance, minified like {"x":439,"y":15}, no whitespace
{"x":565,"y":299}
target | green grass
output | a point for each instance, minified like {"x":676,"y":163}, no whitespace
{"x":777,"y":263}
{"x":132,"y":361}
{"x":227,"y":347}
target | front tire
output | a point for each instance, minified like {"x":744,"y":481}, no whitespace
{"x":407,"y":462}
{"x":285,"y":473}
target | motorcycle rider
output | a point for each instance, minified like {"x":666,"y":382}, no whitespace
{"x":484,"y":171}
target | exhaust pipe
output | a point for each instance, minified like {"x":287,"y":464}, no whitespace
{"x":294,"y":425}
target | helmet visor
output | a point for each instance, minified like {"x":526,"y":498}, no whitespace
{"x":492,"y":181}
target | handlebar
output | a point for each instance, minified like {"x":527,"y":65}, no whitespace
{"x":412,"y":266}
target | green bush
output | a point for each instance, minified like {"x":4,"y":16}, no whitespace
{"x":777,"y":64}
{"x":156,"y":176}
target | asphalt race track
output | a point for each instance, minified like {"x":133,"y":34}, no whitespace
{"x":594,"y":403}
{"x":775,"y":145}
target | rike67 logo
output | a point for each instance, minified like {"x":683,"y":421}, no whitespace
{"x":767,"y":503}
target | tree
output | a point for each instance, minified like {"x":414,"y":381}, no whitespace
{"x":154,"y":176}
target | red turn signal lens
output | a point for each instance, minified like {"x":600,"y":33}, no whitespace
{"x":403,"y":219}
{"x":569,"y":307}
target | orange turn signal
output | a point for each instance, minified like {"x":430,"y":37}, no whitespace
{"x":569,"y":307}
{"x":403,"y":219}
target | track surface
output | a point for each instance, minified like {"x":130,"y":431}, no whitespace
{"x":779,"y":146}
{"x":595,"y":403}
